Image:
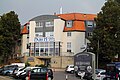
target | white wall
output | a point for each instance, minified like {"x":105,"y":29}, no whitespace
{"x":77,"y":39}
{"x":32,"y":31}
{"x":58,"y":29}
{"x":24,"y":44}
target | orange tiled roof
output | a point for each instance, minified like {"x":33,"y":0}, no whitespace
{"x":78,"y":19}
{"x":24,"y":30}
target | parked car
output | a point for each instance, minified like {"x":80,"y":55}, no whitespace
{"x":17,"y":71}
{"x":112,"y":71}
{"x":40,"y":74}
{"x":23,"y":71}
{"x":1,"y":69}
{"x":100,"y":74}
{"x":70,"y":69}
{"x":8,"y":69}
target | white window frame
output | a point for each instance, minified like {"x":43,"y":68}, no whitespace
{"x":39,"y":24}
{"x":69,"y":34}
{"x":49,"y":24}
{"x":49,"y":34}
{"x":40,"y":34}
{"x":90,"y":24}
{"x":69,"y":23}
{"x":68,"y":46}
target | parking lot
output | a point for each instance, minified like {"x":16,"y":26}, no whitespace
{"x":62,"y":76}
{"x":58,"y":75}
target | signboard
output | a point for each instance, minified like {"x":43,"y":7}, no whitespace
{"x":85,"y":62}
{"x":30,"y":59}
{"x":44,"y":39}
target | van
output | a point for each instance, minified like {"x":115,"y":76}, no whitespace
{"x":69,"y":69}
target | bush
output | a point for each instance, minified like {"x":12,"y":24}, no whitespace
{"x":27,"y":64}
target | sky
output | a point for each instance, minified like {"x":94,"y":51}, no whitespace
{"x":28,"y":9}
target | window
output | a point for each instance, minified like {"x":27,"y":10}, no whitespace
{"x":42,"y":50}
{"x":27,"y":36}
{"x":39,"y":24}
{"x":68,"y":46}
{"x":49,"y":34}
{"x":39,"y":34}
{"x":27,"y":27}
{"x":69,"y":23}
{"x":68,"y":34}
{"x":90,"y":23}
{"x":90,"y":34}
{"x":49,"y":24}
{"x":46,"y":44}
{"x":52,"y":44}
{"x":36,"y":44}
{"x":37,"y":51}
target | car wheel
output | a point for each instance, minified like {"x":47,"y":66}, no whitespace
{"x":49,"y":78}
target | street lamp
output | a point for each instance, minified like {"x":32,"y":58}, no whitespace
{"x":97,"y":53}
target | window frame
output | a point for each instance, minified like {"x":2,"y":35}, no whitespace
{"x":49,"y":23}
{"x":69,"y":23}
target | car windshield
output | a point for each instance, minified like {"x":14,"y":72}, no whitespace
{"x":97,"y":71}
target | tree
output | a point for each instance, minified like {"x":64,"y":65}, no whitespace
{"x":107,"y":32}
{"x":9,"y":34}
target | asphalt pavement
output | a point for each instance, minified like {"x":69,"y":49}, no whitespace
{"x":58,"y":75}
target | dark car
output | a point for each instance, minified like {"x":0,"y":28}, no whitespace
{"x":38,"y":74}
{"x":112,"y":72}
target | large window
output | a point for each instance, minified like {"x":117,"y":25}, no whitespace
{"x":45,"y":48}
{"x":49,"y":24}
{"x":39,"y":24}
{"x":69,"y":23}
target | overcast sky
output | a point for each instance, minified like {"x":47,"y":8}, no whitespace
{"x":27,"y":9}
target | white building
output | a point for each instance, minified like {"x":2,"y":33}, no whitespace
{"x":57,"y":35}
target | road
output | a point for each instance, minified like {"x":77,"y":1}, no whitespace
{"x":61,"y":75}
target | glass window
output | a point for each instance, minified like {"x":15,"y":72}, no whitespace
{"x":51,"y":44}
{"x":90,"y":34}
{"x":46,"y":44}
{"x":34,"y":70}
{"x":39,"y":24}
{"x":49,"y":24}
{"x":43,"y":70}
{"x":68,"y":34}
{"x":68,"y":46}
{"x":41,"y":44}
{"x":56,"y":51}
{"x":42,"y":50}
{"x":69,"y":23}
{"x":49,"y":34}
{"x":90,"y":23}
{"x":36,"y":44}
{"x":37,"y":50}
{"x":39,"y":34}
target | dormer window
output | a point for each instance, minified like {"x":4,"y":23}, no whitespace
{"x":90,"y":24}
{"x":69,"y":23}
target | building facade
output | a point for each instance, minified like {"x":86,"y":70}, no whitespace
{"x":49,"y":36}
